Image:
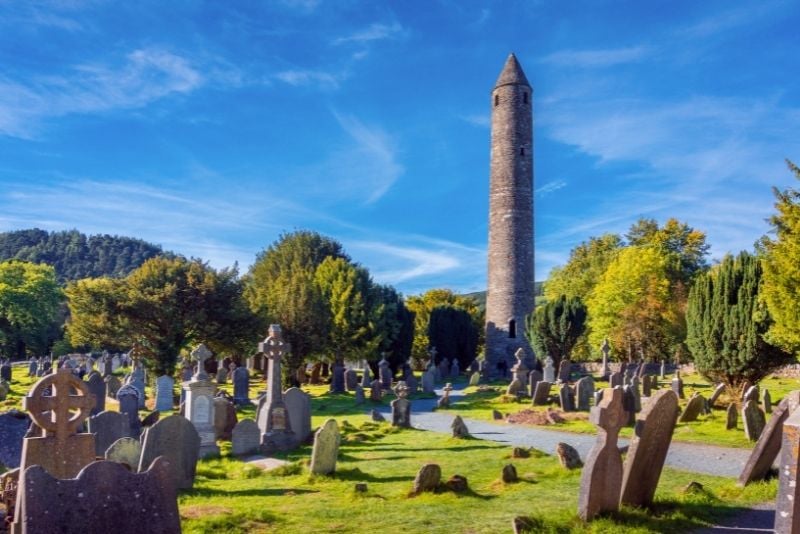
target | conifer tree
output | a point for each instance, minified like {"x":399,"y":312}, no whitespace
{"x":554,"y":329}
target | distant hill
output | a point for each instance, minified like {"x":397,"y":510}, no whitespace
{"x":480,"y":296}
{"x":75,"y":255}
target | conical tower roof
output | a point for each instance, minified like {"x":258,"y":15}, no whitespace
{"x":512,"y":73}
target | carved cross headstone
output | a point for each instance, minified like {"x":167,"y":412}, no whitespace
{"x":200,"y":355}
{"x":277,"y":430}
{"x":604,"y":348}
{"x":601,"y":478}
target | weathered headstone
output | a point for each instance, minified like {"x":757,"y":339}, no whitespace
{"x":128,"y":397}
{"x":766,"y":402}
{"x":787,"y":506}
{"x":385,"y":373}
{"x":350,"y":379}
{"x":751,"y":394}
{"x":604,"y":348}
{"x":376,"y":391}
{"x":428,"y":382}
{"x":637,"y":396}
{"x":520,"y":371}
{"x":401,"y":409}
{"x":359,"y":394}
{"x":224,"y":418}
{"x":769,"y":442}
{"x":428,"y":478}
{"x":712,"y":400}
{"x":509,"y":474}
{"x":534,"y":377}
{"x":444,"y":400}
{"x":753,"y":419}
{"x":549,"y":371}
{"x":100,"y":499}
{"x":615,"y":380}
{"x":222,"y":375}
{"x":326,"y":448}
{"x":126,"y":451}
{"x":459,"y":428}
{"x":97,"y":387}
{"x":568,"y":456}
{"x":564,"y":370}
{"x":412,"y":384}
{"x":515,"y":388}
{"x":177,"y":440}
{"x":601,"y":478}
{"x":542,"y":393}
{"x":62,"y":452}
{"x":732,"y":417}
{"x":648,"y":449}
{"x":566,"y":398}
{"x":277,"y":432}
{"x":112,"y":386}
{"x":107,"y":428}
{"x":298,"y":406}
{"x":5,"y":371}
{"x":240,"y":377}
{"x":366,"y":379}
{"x":646,"y":386}
{"x":245,"y":438}
{"x":677,"y":385}
{"x":474,"y":379}
{"x":337,"y":384}
{"x":584,"y":393}
{"x":13,"y":426}
{"x":455,"y":370}
{"x":693,"y":409}
{"x":164,"y":393}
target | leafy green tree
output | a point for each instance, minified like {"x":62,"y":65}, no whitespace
{"x":392,"y":325}
{"x":726,"y":324}
{"x":30,"y":300}
{"x":586,"y":265}
{"x":781,"y":289}
{"x":555,"y":328}
{"x":166,"y":306}
{"x":454,"y":334}
{"x":684,"y":248}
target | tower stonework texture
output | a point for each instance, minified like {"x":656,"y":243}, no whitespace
{"x":510,"y":291}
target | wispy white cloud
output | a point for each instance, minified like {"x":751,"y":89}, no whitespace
{"x":477,"y":119}
{"x":374,"y":32}
{"x":299,"y":77}
{"x":597,"y":58}
{"x":550,"y":187}
{"x":731,"y":19}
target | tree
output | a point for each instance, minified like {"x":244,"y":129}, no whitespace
{"x":29,"y":307}
{"x":684,"y":247}
{"x":555,"y":328}
{"x":281,"y":289}
{"x":632,"y":305}
{"x":392,"y":324}
{"x":586,"y":265}
{"x":165,"y":306}
{"x":423,"y":305}
{"x":726,"y":324}
{"x":454,"y":334}
{"x":781,"y":289}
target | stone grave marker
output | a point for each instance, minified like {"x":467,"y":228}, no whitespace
{"x":732,"y":417}
{"x":520,"y":371}
{"x":584,"y":393}
{"x":164,"y":394}
{"x":753,"y":419}
{"x":107,"y":428}
{"x":787,"y":505}
{"x":566,"y":398}
{"x":637,"y":396}
{"x":564,"y":370}
{"x":13,"y":426}
{"x":549,"y":374}
{"x":601,"y":479}
{"x":615,"y":380}
{"x":444,"y":400}
{"x":112,"y":386}
{"x":100,"y":499}
{"x":241,"y":385}
{"x":277,"y":433}
{"x":474,"y":379}
{"x":751,"y":394}
{"x":222,"y":375}
{"x":5,"y":388}
{"x":766,"y":402}
{"x":534,"y":377}
{"x":62,"y":452}
{"x":428,"y":381}
{"x":126,"y":451}
{"x":604,"y":348}
{"x":693,"y":409}
{"x":199,"y":403}
{"x":412,"y":384}
{"x":401,"y":409}
{"x":246,"y":438}
{"x":350,"y":379}
{"x":366,"y":378}
{"x":376,"y":391}
{"x":177,"y":440}
{"x":128,"y":397}
{"x":5,"y":371}
{"x":648,"y":449}
{"x":455,"y":370}
{"x":97,"y":387}
{"x":542,"y":394}
{"x":224,"y":418}
{"x":337,"y":384}
{"x":428,"y":478}
{"x":359,"y":394}
{"x":33,"y":366}
{"x":298,"y":405}
{"x":646,"y":386}
{"x":326,"y":448}
{"x":629,"y":404}
{"x":712,"y":400}
{"x":515,"y":388}
{"x":769,"y":442}
{"x":459,"y":428}
{"x":385,"y":373}
{"x":568,"y":456}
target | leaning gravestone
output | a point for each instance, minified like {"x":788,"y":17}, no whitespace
{"x":601,"y":478}
{"x":100,"y":499}
{"x":751,"y":394}
{"x":648,"y":449}
{"x":515,"y":388}
{"x":459,"y":428}
{"x":126,"y":451}
{"x":298,"y":405}
{"x":787,"y":506}
{"x":693,"y":409}
{"x":176,"y":439}
{"x":13,"y":426}
{"x":769,"y":442}
{"x":107,"y":428}
{"x":474,"y":379}
{"x":753,"y":419}
{"x":428,"y":478}
{"x":246,"y":438}
{"x":542,"y":393}
{"x":97,"y":387}
{"x":714,"y":396}
{"x":164,"y":394}
{"x":584,"y":389}
{"x":326,"y":448}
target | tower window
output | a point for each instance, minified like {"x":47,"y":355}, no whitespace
{"x":496,"y":100}
{"x":524,"y":98}
{"x":512,"y":328}
{"x":522,"y":151}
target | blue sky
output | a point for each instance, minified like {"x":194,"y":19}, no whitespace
{"x":210,"y":128}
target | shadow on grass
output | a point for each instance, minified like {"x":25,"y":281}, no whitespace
{"x":357,"y":475}
{"x":272,"y":492}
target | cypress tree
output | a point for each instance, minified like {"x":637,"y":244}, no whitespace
{"x":554,"y":329}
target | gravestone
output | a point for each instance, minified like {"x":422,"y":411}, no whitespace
{"x":677,"y":385}
{"x":222,"y":375}
{"x":769,"y":442}
{"x":444,"y":401}
{"x":753,"y":419}
{"x":58,"y":404}
{"x":428,"y":382}
{"x":107,"y":428}
{"x":97,"y":387}
{"x":164,"y":393}
{"x":326,"y":448}
{"x":112,"y":386}
{"x":766,"y":402}
{"x":108,"y":366}
{"x":376,"y":391}
{"x":601,"y":479}
{"x":566,"y":398}
{"x":128,"y":398}
{"x":542,"y":394}
{"x":401,"y":409}
{"x":615,"y":380}
{"x":520,"y":372}
{"x":241,"y":385}
{"x":549,"y":374}
{"x":126,"y":451}
{"x":366,"y":378}
{"x":534,"y":377}
{"x":245,"y":438}
{"x":646,"y":388}
{"x":629,"y":404}
{"x":177,"y":440}
{"x":276,"y":433}
{"x":787,"y":505}
{"x":411,"y":384}
{"x":751,"y":394}
{"x":637,"y":396}
{"x":224,"y":418}
{"x":584,"y":393}
{"x":99,"y":500}
{"x":13,"y":426}
{"x":732,"y":417}
{"x":5,"y":388}
{"x":455,"y":370}
{"x":137,"y":376}
{"x":298,"y":406}
{"x":515,"y":388}
{"x":385,"y":373}
{"x":337,"y":379}
{"x":199,"y":403}
{"x":648,"y":449}
{"x":568,"y":456}
{"x":359,"y":394}
{"x":712,"y":400}
{"x":351,"y":379}
{"x":604,"y":348}
{"x":428,"y":478}
{"x":693,"y":409}
{"x":474,"y":379}
{"x":564,"y":370}
{"x":443,"y":370}
{"x":663,"y":372}
{"x":5,"y":371}
{"x":459,"y":428}
{"x":33,"y":366}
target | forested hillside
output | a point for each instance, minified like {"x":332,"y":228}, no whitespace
{"x":75,"y":255}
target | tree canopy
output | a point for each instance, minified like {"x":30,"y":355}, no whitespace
{"x":554,"y":328}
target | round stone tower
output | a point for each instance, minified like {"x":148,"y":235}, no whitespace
{"x":509,"y":295}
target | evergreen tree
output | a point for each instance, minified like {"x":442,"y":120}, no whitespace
{"x":726,"y":323}
{"x":454,"y":334}
{"x":554,"y":328}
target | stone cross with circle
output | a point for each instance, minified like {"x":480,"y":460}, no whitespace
{"x":200,"y":354}
{"x":60,"y":413}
